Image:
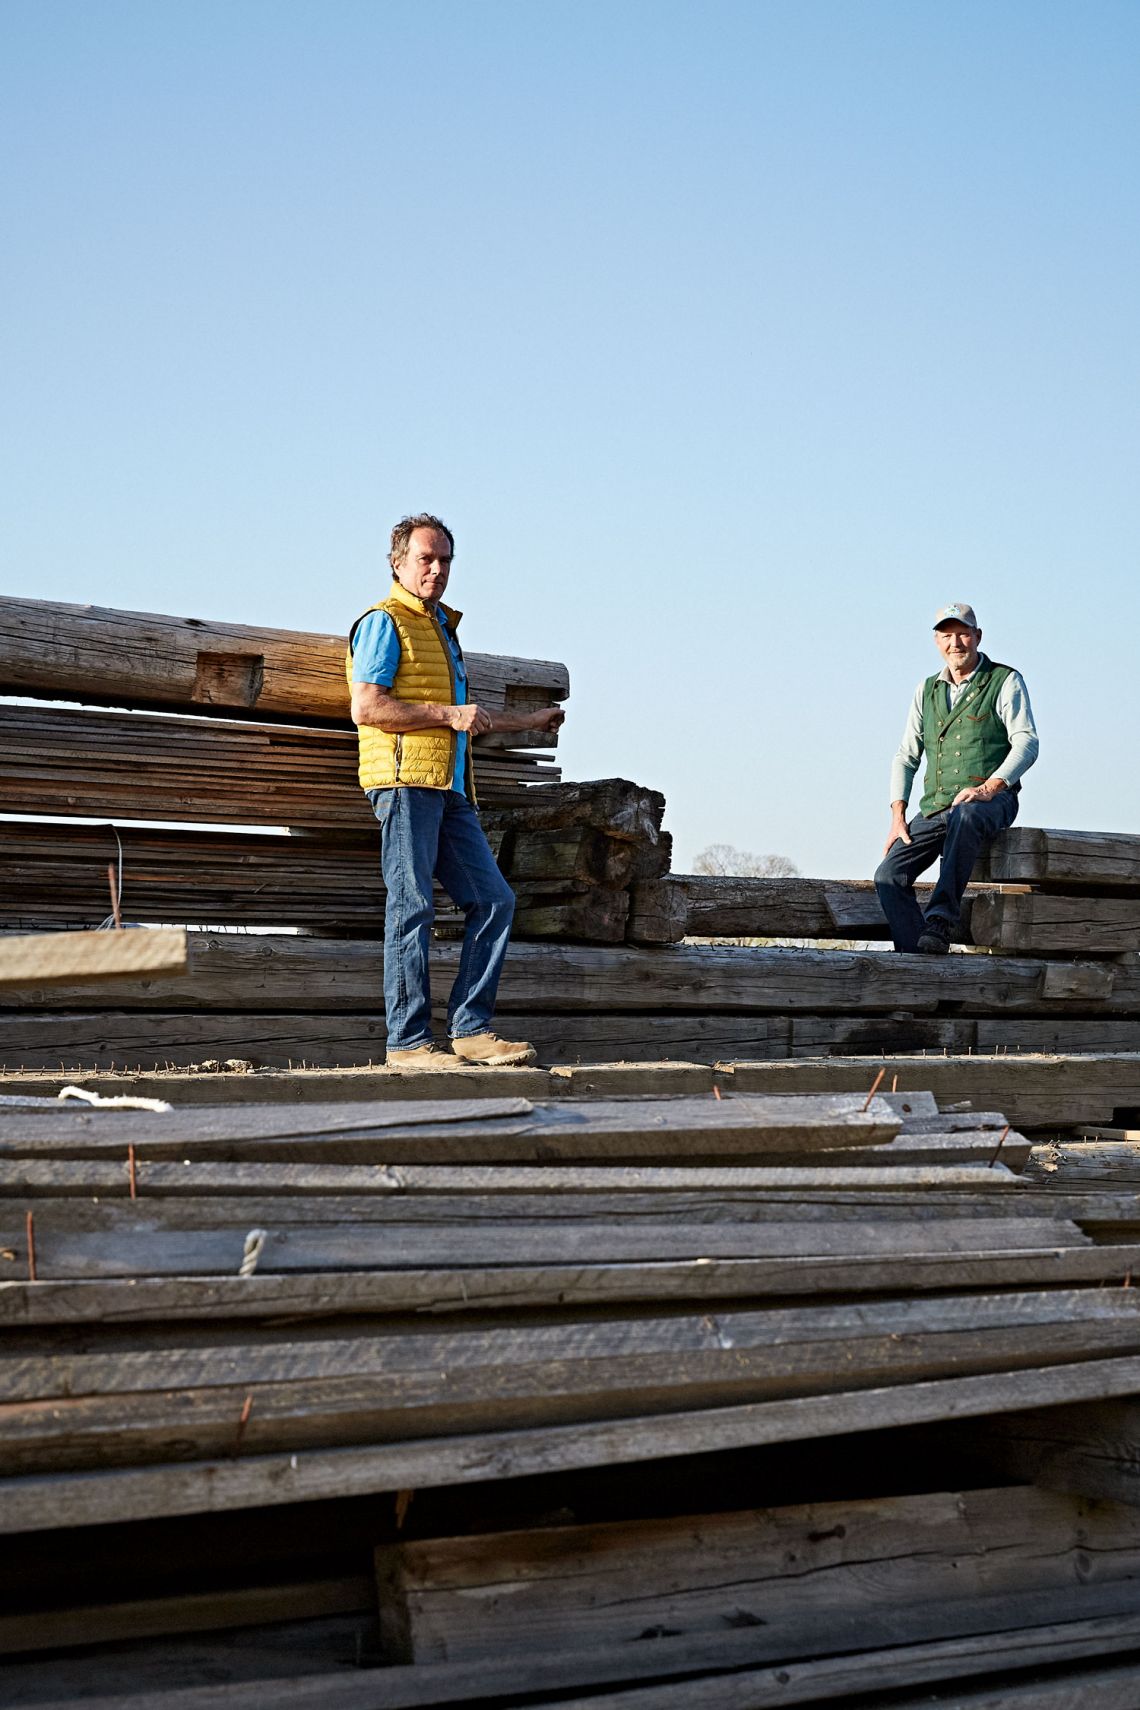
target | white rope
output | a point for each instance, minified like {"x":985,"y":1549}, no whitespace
{"x":104,"y":925}
{"x":119,"y":1101}
{"x":254,"y":1245}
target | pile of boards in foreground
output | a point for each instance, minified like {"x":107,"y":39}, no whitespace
{"x":716,"y":1401}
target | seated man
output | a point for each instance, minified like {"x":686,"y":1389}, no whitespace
{"x":415,"y":724}
{"x":975,"y":724}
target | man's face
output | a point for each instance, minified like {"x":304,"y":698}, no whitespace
{"x":426,"y":565}
{"x":958,"y":645}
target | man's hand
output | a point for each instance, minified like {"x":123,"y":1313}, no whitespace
{"x":898,"y":827}
{"x":547,"y":718}
{"x":471,"y":718}
{"x":980,"y":792}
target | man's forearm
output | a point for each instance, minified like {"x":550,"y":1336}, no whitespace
{"x":395,"y":717}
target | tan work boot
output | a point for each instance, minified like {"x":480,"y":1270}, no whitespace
{"x":490,"y":1052}
{"x":429,"y":1056}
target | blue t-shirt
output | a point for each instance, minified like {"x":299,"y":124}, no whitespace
{"x":376,"y":659}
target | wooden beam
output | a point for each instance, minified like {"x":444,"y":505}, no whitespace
{"x":282,"y":971}
{"x":67,"y":958}
{"x":97,"y":654}
{"x":1030,"y":854}
{"x":1052,"y":925}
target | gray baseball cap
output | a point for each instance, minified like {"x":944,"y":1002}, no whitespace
{"x":959,"y":613}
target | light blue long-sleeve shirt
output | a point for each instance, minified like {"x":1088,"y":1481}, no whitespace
{"x":1013,"y":710}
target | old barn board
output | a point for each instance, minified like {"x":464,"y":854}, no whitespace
{"x":53,"y":959}
{"x":1030,"y":855}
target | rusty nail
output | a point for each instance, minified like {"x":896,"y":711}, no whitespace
{"x":131,"y":1173}
{"x":875,"y":1085}
{"x":998,"y":1147}
{"x":30,"y":1226}
{"x":247,"y":1409}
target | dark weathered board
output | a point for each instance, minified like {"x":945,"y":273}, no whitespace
{"x":56,"y":875}
{"x":37,"y":1503}
{"x":1092,"y":1449}
{"x":142,"y":659}
{"x":282,"y":971}
{"x":1056,"y":925}
{"x":704,"y":906}
{"x":301,"y":1296}
{"x":139,"y":766}
{"x":1028,"y":854}
{"x":733,"y":1670}
{"x":797,"y":1572}
{"x":604,"y":1130}
{"x":1034,"y":1092}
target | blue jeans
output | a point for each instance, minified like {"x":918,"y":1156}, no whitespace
{"x":958,"y":835}
{"x":426,"y":835}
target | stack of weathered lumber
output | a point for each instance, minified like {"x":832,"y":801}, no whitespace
{"x":280,"y":999}
{"x":1036,"y":892}
{"x":359,"y":1316}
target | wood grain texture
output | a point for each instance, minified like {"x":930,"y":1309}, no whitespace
{"x":139,"y":766}
{"x":280,"y":971}
{"x":99,"y":655}
{"x":1052,"y":925}
{"x":68,"y":958}
{"x":1029,"y":854}
{"x":36,"y":1503}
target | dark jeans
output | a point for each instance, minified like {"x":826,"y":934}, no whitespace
{"x":958,"y":835}
{"x":426,"y":835}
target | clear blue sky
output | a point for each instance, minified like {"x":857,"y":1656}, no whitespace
{"x":730,"y":339}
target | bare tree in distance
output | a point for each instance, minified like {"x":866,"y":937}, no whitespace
{"x":724,"y":861}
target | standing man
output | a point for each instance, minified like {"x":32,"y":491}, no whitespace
{"x":415,"y":724}
{"x":975,"y":724}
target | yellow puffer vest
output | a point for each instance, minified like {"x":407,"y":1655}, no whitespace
{"x":424,"y":758}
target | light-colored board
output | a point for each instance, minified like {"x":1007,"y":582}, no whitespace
{"x":37,"y":1503}
{"x":138,"y":659}
{"x":51,"y":959}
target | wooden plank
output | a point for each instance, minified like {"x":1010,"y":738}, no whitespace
{"x":165,"y":1300}
{"x":1092,"y":1449}
{"x":604,"y":1129}
{"x":1095,"y":1163}
{"x":1034,"y":1091}
{"x":44,"y":1502}
{"x":1069,"y":925}
{"x":96,"y":1039}
{"x":97,"y":654}
{"x":796,"y":1571}
{"x":282,"y":971}
{"x":68,"y":958}
{"x":1102,"y":1687}
{"x":991,"y":1643}
{"x":138,"y":766}
{"x":1030,"y":854}
{"x":401,"y":1385}
{"x":106,"y":1244}
{"x":192,"y":1612}
{"x":531,"y":1190}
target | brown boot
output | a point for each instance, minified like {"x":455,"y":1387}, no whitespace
{"x":429,"y":1056}
{"x":490,"y":1052}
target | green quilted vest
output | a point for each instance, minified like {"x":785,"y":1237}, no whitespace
{"x":965,"y":746}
